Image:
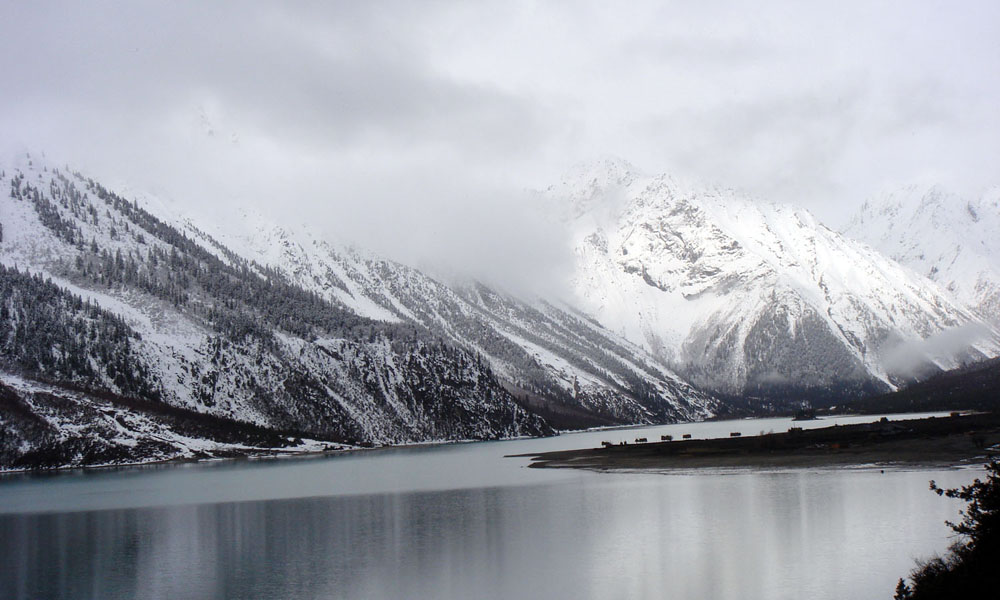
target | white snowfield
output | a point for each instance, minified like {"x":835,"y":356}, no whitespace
{"x":707,"y":277}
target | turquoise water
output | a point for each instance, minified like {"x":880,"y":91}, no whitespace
{"x":462,"y":521}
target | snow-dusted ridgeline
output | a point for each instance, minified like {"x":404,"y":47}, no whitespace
{"x":283,"y":330}
{"x":742,"y":295}
{"x":545,"y":352}
{"x":277,"y":331}
{"x":207,"y":331}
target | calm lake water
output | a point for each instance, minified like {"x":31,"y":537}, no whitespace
{"x":462,"y":521}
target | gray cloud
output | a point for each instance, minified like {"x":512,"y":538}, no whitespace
{"x":413,"y":127}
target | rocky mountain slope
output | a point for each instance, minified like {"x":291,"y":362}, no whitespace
{"x":111,"y":309}
{"x":555,"y":359}
{"x":742,"y":296}
{"x":949,"y":239}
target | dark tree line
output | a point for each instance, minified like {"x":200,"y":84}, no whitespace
{"x":48,"y":332}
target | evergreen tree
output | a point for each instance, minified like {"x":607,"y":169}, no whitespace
{"x":969,"y":570}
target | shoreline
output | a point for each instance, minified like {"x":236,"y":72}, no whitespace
{"x":648,"y":456}
{"x":262,"y":454}
{"x":942,"y":441}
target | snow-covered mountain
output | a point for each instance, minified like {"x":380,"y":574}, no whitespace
{"x":943,"y":236}
{"x":129,"y":333}
{"x":121,"y":310}
{"x":556,"y":360}
{"x":746,"y":296}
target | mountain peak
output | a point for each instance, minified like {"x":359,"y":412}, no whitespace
{"x":722,"y":285}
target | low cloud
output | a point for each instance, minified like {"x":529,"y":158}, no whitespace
{"x":414,"y":127}
{"x":950,"y":346}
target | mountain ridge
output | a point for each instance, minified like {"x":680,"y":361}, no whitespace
{"x":733,"y":292}
{"x":335,"y":344}
{"x":689,"y":300}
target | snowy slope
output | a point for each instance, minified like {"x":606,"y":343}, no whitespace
{"x":949,"y":239}
{"x":538,"y":347}
{"x":197,"y":327}
{"x":278,"y":328}
{"x":744,"y":295}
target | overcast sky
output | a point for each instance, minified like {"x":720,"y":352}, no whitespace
{"x":412,"y":127}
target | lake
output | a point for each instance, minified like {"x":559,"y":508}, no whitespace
{"x":462,"y":521}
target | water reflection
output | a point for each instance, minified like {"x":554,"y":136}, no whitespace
{"x":824,"y":534}
{"x":394,"y":470}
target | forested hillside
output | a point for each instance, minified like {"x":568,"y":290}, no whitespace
{"x":101,"y":297}
{"x":110,"y":309}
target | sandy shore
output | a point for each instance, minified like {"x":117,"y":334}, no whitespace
{"x":930,"y":442}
